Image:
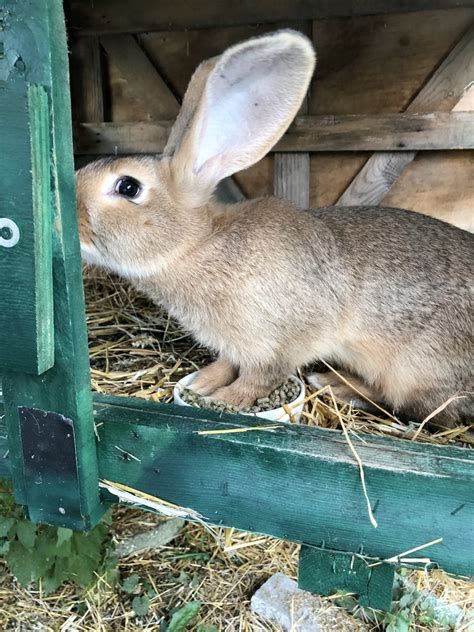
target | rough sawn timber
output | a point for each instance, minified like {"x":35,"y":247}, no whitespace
{"x":433,"y":131}
{"x":35,"y":33}
{"x":444,"y":91}
{"x":296,"y":482}
{"x":103,"y":16}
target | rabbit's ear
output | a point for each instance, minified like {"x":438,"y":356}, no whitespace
{"x":251,"y":95}
{"x":188,"y":108}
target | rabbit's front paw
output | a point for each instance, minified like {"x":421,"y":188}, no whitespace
{"x":212,"y":377}
{"x":232,"y":395}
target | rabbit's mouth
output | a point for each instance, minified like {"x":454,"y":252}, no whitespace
{"x":91,"y":255}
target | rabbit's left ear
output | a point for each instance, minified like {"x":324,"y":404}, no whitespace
{"x":250,"y":97}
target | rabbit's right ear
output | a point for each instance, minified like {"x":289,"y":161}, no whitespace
{"x":249,"y":96}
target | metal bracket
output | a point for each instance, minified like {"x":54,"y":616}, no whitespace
{"x":50,"y":468}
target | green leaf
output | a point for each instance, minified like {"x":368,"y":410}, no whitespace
{"x":130,"y":583}
{"x":81,"y":569}
{"x":26,"y":533}
{"x":64,"y":535}
{"x":398,"y":624}
{"x":183,"y":578}
{"x":4,"y":547}
{"x":19,"y":562}
{"x":140,"y":605}
{"x":5,"y":525}
{"x":206,"y":628}
{"x":184,"y":616}
{"x":54,"y":579}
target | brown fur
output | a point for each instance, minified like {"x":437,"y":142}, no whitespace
{"x":384,"y":293}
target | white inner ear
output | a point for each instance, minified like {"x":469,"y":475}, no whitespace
{"x":250,"y":98}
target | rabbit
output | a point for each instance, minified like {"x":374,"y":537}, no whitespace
{"x":383,"y":292}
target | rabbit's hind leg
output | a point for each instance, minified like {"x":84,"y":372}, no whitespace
{"x":343,"y":392}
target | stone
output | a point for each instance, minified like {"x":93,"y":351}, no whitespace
{"x":281,"y":601}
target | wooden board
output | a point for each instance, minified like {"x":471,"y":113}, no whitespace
{"x":326,"y":572}
{"x":435,"y":131}
{"x":378,"y":64}
{"x":296,"y":482}
{"x":444,"y":90}
{"x":65,"y":388}
{"x":158,"y":15}
{"x":440,"y":185}
{"x":138,"y":91}
{"x":26,"y":314}
{"x":87,"y":85}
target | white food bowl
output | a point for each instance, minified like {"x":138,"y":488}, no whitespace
{"x":275,"y":414}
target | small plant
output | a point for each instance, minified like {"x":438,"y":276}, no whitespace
{"x":52,"y":555}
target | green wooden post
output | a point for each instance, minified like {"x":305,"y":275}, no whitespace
{"x":48,"y":407}
{"x":327,"y":572}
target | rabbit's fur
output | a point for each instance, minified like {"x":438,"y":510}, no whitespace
{"x":385,"y":293}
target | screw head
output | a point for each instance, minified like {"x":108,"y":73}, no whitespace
{"x":9,"y":233}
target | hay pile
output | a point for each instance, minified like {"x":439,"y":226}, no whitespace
{"x":136,"y":350}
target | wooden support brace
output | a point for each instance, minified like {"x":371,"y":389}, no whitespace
{"x":327,"y":572}
{"x":295,"y":482}
{"x":443,"y":92}
{"x":102,"y":16}
{"x":34,"y":33}
{"x":26,"y":313}
{"x":397,"y":132}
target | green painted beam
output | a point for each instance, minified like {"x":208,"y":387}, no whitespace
{"x":296,"y":482}
{"x":26,"y":315}
{"x":326,"y":572}
{"x":35,"y":54}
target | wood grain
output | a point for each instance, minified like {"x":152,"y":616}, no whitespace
{"x":121,"y":16}
{"x":304,"y":483}
{"x":442,"y":92}
{"x":65,"y":388}
{"x":26,"y":314}
{"x":87,"y":90}
{"x":291,"y":177}
{"x":139,"y":90}
{"x":326,"y":572}
{"x":435,"y":131}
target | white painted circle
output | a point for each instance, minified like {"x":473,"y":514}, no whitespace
{"x":5,"y":222}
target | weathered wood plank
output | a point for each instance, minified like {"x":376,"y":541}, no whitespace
{"x":65,"y":388}
{"x":143,"y":93}
{"x":291,"y":177}
{"x":441,"y":93}
{"x":434,"y":131}
{"x":87,"y":90}
{"x":297,"y":482}
{"x":326,"y":572}
{"x":101,"y":16}
{"x":26,"y":315}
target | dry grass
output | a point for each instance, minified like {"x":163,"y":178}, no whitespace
{"x":136,"y":350}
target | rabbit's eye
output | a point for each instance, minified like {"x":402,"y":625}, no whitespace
{"x":128,"y":187}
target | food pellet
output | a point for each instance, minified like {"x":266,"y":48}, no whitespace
{"x":284,"y":394}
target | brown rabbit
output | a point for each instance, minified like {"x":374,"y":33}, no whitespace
{"x":384,"y":293}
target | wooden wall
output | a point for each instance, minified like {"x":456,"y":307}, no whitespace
{"x":371,"y":66}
